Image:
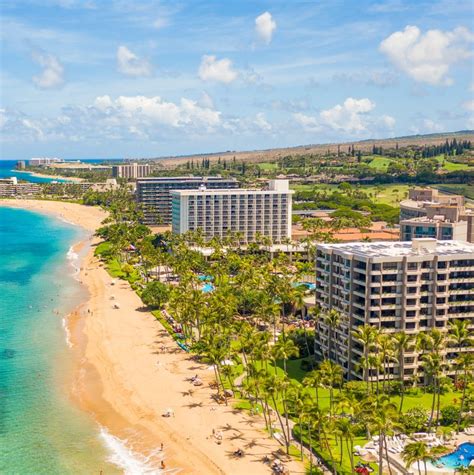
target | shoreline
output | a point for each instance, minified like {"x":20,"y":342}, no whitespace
{"x":129,"y":371}
{"x":74,"y":179}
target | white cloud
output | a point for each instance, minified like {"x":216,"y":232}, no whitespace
{"x":213,"y":69}
{"x":120,"y":118}
{"x":149,"y":111}
{"x":388,"y":121}
{"x":309,"y":123}
{"x":348,"y":116}
{"x":427,"y":126}
{"x":427,"y":57}
{"x":262,"y":123}
{"x":206,"y":101}
{"x":130,"y":64}
{"x":352,"y":118}
{"x":265,"y":25}
{"x":52,"y":75}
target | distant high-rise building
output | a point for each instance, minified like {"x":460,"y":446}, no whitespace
{"x":20,"y":165}
{"x":37,"y":162}
{"x":398,"y":286}
{"x":244,"y":213}
{"x":131,"y":171}
{"x":154,"y":195}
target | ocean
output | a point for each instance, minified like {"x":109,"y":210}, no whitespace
{"x":7,"y":170}
{"x":41,"y":430}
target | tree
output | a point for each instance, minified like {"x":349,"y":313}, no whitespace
{"x":459,"y":336}
{"x":366,"y":334}
{"x":415,"y":453}
{"x":332,"y":319}
{"x":284,"y":349}
{"x":156,"y":294}
{"x":402,"y":342}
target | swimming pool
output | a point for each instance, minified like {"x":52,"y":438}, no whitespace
{"x":308,"y":285}
{"x":207,"y":287}
{"x":461,"y":457}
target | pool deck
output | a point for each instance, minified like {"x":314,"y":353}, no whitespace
{"x":453,"y":444}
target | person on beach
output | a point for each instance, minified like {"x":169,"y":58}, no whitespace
{"x":162,"y":465}
{"x":161,"y":448}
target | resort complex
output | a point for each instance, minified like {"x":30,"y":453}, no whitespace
{"x":308,"y":327}
{"x":154,"y":193}
{"x":245,"y":214}
{"x":426,"y":213}
{"x":409,"y":287}
{"x":131,"y":171}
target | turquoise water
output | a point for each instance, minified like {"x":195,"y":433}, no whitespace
{"x":461,"y":457}
{"x":41,"y":431}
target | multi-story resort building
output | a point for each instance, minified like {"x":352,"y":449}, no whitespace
{"x":244,"y":213}
{"x":411,"y":286}
{"x":9,"y":187}
{"x":154,"y":194}
{"x":426,"y":213}
{"x":40,"y":161}
{"x":131,"y":171}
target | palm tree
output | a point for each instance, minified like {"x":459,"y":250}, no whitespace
{"x":345,"y":430}
{"x":459,"y":335}
{"x":432,"y":365}
{"x":332,"y":319}
{"x":402,"y":342}
{"x":465,"y":362}
{"x":331,"y":376}
{"x":382,"y":417}
{"x":366,"y":335}
{"x":415,"y":453}
{"x":314,"y":380}
{"x":284,"y":349}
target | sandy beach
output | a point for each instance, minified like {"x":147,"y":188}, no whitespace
{"x":130,"y":371}
{"x":53,"y":177}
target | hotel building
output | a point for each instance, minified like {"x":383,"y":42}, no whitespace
{"x":9,"y":187}
{"x":131,"y":171}
{"x":426,"y":213}
{"x":243,"y":212}
{"x":411,"y":286}
{"x":154,"y":194}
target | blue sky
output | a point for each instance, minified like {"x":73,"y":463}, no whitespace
{"x":150,"y":78}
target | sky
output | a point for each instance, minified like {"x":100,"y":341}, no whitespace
{"x":149,"y":78}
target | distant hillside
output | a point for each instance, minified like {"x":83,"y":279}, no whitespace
{"x":319,"y":149}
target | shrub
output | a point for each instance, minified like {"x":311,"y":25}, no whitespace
{"x":449,"y":415}
{"x":303,"y":342}
{"x":414,"y":420}
{"x":156,"y":294}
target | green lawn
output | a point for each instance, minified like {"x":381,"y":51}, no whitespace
{"x":268,"y":166}
{"x":451,"y":166}
{"x":388,"y":194}
{"x":380,"y":163}
{"x":465,"y":190}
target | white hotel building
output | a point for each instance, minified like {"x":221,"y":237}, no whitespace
{"x":398,"y":286}
{"x":243,"y":212}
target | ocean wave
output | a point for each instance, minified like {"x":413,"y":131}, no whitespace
{"x":67,"y":332}
{"x":64,"y":220}
{"x":73,"y":258}
{"x":131,"y":462}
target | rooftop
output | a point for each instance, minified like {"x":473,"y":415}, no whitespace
{"x":184,"y":178}
{"x":416,"y":247}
